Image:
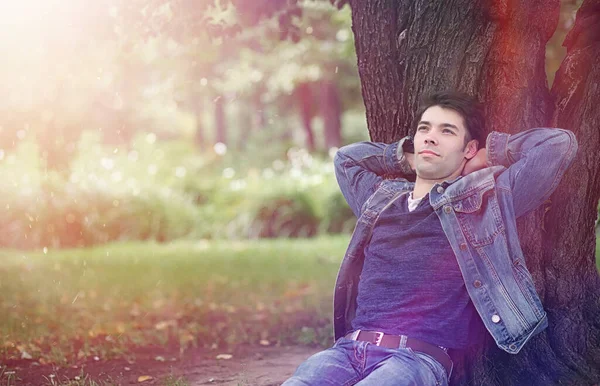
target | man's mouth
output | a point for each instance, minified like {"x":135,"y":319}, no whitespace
{"x":428,"y":152}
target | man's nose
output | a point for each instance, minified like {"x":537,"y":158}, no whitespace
{"x":430,"y":140}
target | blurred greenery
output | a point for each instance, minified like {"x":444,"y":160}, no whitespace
{"x":167,"y":125}
{"x":207,"y":119}
{"x":163,"y":191}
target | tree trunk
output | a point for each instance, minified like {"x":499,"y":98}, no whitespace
{"x":331,"y":111}
{"x":305,"y":104}
{"x":496,"y":51}
{"x":220,"y":125}
{"x":259,"y":117}
{"x":245,"y":125}
{"x":572,"y":282}
{"x":199,"y":138}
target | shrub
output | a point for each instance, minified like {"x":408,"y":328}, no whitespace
{"x":164,"y":191}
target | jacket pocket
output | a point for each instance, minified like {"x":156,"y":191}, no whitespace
{"x":479,"y":216}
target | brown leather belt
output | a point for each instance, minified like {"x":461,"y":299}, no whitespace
{"x":393,"y":341}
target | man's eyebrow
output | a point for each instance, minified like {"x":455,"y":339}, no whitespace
{"x":448,"y":125}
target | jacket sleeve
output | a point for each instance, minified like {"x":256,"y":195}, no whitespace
{"x":535,"y":159}
{"x":360,"y":167}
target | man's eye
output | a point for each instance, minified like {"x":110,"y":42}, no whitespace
{"x":448,"y":131}
{"x":422,"y":128}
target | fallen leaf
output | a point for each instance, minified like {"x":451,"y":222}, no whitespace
{"x":224,"y":356}
{"x":164,"y":324}
{"x":135,"y":311}
{"x":159,"y":358}
{"x":144,"y":378}
{"x":264,"y":342}
{"x":126,"y":368}
{"x":26,"y":355}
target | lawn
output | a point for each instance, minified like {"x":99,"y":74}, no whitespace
{"x":65,"y":306}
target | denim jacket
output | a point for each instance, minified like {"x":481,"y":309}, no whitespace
{"x":478,"y":214}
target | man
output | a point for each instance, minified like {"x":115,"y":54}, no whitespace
{"x":431,"y":263}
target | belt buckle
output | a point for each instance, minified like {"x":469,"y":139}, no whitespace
{"x":379,"y":337}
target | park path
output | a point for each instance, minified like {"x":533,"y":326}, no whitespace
{"x":246,"y":365}
{"x":265,"y":367}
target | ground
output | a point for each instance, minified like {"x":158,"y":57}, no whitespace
{"x":260,"y":366}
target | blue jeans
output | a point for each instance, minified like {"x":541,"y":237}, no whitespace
{"x":351,"y":362}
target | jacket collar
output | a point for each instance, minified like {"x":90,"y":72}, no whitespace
{"x":463,"y":186}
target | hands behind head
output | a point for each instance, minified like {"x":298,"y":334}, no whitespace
{"x":479,"y":161}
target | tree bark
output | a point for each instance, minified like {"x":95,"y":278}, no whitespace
{"x":496,"y":51}
{"x":572,"y":282}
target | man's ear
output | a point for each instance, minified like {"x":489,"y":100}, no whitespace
{"x":471,"y":149}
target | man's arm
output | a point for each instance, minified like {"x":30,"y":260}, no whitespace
{"x":536,"y":160}
{"x":360,"y":167}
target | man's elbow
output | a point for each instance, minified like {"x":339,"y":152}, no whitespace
{"x":348,"y":152}
{"x":567,"y":144}
{"x":339,"y":158}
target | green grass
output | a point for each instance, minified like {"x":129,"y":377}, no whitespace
{"x":65,"y":306}
{"x":68,"y":305}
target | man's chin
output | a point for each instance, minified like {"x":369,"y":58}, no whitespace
{"x":435,"y":175}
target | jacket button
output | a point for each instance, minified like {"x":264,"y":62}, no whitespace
{"x":512,"y":346}
{"x":440,"y":189}
{"x":448,"y":209}
{"x":463,"y":247}
{"x":477,"y":284}
{"x":495,"y":319}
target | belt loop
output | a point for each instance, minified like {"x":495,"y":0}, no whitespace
{"x":355,"y":335}
{"x":403,"y":339}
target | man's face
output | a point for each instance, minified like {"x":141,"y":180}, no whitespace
{"x":440,"y":151}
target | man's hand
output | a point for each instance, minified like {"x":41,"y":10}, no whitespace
{"x":479,"y":161}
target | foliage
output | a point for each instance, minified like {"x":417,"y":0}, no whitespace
{"x":159,"y":65}
{"x":166,"y":190}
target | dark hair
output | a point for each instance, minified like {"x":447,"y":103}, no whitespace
{"x":467,"y":106}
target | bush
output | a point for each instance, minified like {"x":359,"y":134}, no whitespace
{"x":165,"y":191}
